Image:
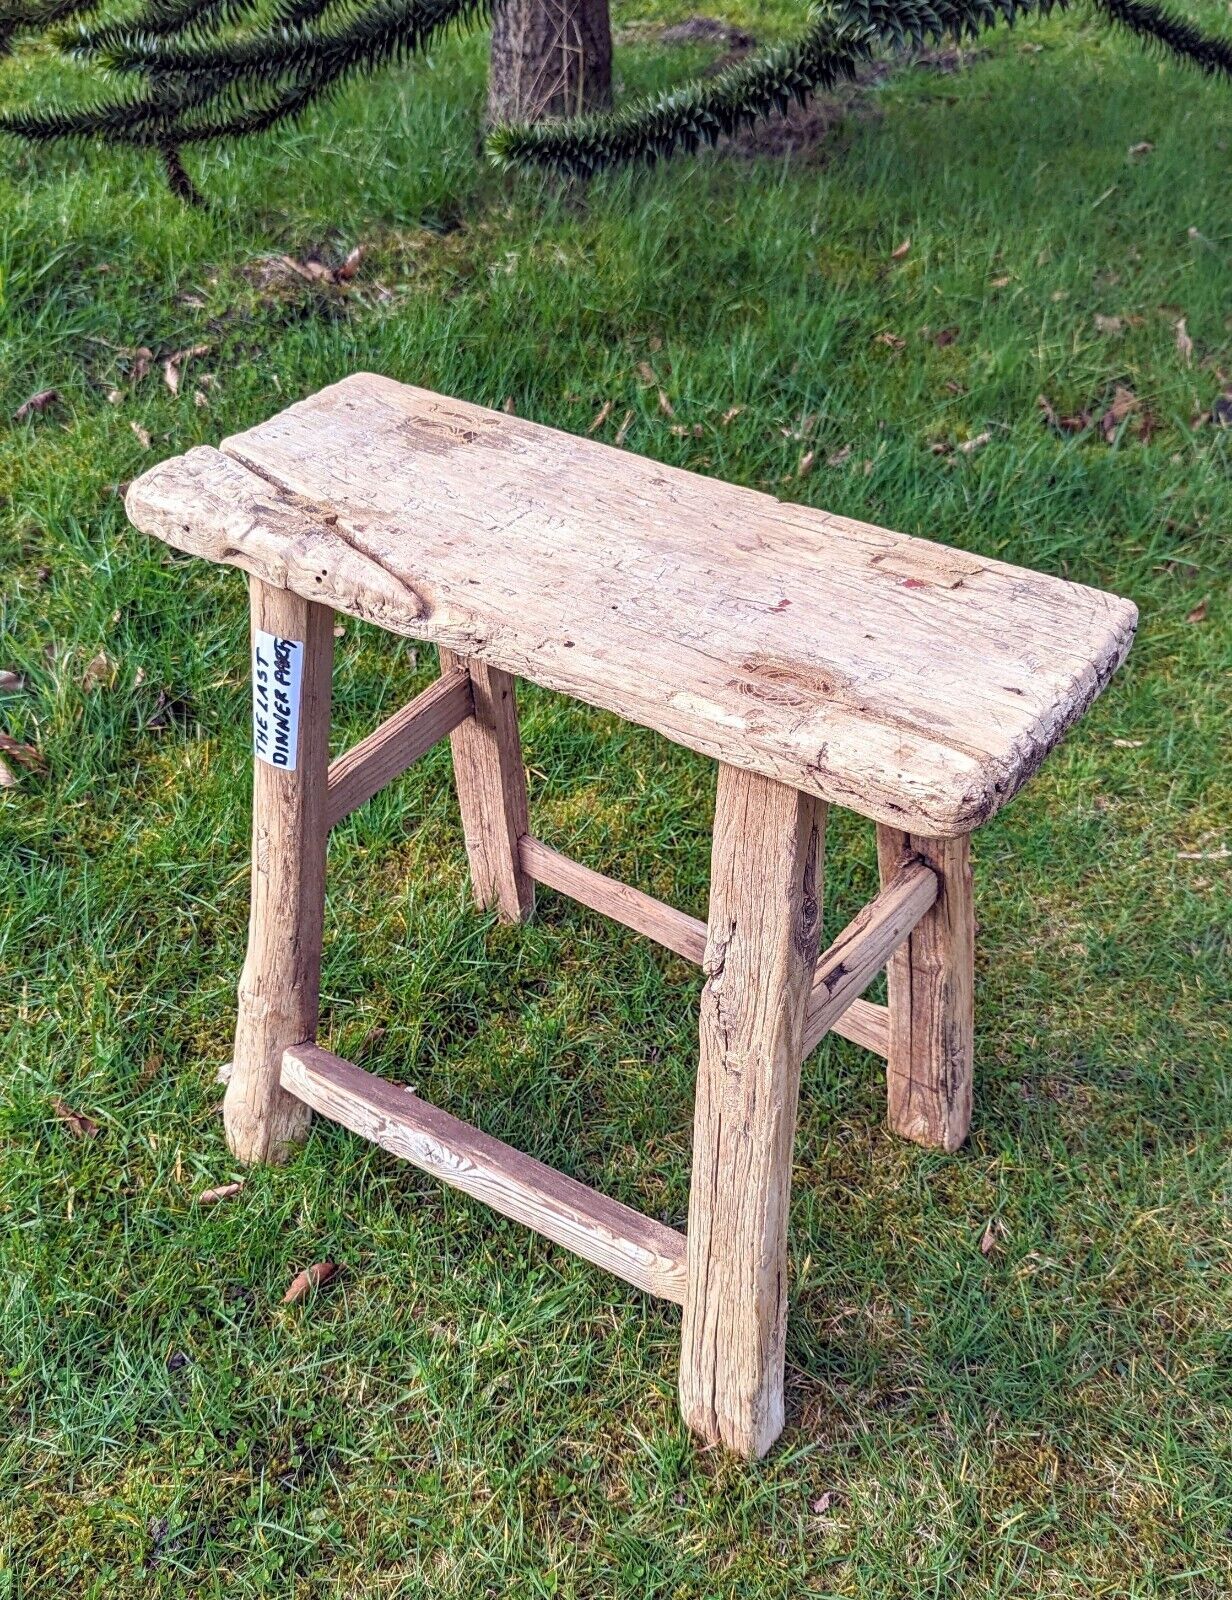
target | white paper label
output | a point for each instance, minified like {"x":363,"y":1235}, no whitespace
{"x":277,"y":675}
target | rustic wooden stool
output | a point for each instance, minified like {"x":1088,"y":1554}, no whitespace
{"x":817,"y":659}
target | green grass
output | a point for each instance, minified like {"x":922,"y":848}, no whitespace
{"x":469,"y":1411}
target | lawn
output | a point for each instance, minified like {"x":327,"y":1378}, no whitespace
{"x":467,"y":1410}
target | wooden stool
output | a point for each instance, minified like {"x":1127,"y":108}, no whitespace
{"x":817,"y":659}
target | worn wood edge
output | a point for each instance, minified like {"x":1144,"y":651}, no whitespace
{"x":209,"y":505}
{"x":860,"y":1021}
{"x":400,"y":741}
{"x":635,"y":1247}
{"x":1005,"y":778}
{"x":868,"y":941}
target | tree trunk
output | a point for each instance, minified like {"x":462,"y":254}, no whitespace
{"x":550,"y":58}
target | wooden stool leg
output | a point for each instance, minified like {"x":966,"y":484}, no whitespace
{"x":280,"y":984}
{"x":761,"y":949}
{"x":491,"y":780}
{"x":931,"y":981}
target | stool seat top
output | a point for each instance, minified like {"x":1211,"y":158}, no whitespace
{"x":914,"y":683}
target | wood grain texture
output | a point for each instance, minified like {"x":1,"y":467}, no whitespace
{"x":765,"y":917}
{"x":612,"y":1235}
{"x":397,"y":744}
{"x":914,"y":683}
{"x":642,"y":912}
{"x":855,"y":958}
{"x":491,"y":782}
{"x":857,"y":1020}
{"x":280,"y":983}
{"x":931,"y":992}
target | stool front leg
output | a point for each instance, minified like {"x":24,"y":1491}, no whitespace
{"x":931,"y":985}
{"x":280,"y":985}
{"x":761,"y":949}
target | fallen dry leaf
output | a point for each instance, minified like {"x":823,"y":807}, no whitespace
{"x":1198,"y":614}
{"x":805,"y":464}
{"x":25,"y":755}
{"x":224,"y":1191}
{"x":350,"y":266}
{"x":11,"y":682}
{"x":665,"y":405}
{"x":36,"y":404}
{"x":1129,"y":744}
{"x":730,"y":414}
{"x":1184,"y":344}
{"x":1001,"y":282}
{"x":77,"y":1123}
{"x":822,"y":1504}
{"x":622,"y":433}
{"x":1142,"y":148}
{"x":101,"y":671}
{"x":839,"y":457}
{"x":684,"y":430}
{"x":1112,"y":326}
{"x":969,"y":446}
{"x":1123,"y":402}
{"x":901,"y":251}
{"x":313,"y":1277}
{"x":1049,"y":410}
{"x":892,"y":341}
{"x":114,"y":396}
{"x":993,"y":1234}
{"x":647,"y":374}
{"x":174,"y":364}
{"x":142,"y":359}
{"x":946,"y":337}
{"x":143,"y":436}
{"x":601,"y":416}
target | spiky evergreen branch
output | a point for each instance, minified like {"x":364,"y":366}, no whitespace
{"x":16,"y":20}
{"x":196,"y":22}
{"x":838,"y":41}
{"x":285,"y":69}
{"x":204,"y":80}
{"x":161,"y":17}
{"x":1171,"y":34}
{"x":699,"y":113}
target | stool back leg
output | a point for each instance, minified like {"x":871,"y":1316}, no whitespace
{"x":491,"y":782}
{"x":761,"y":948}
{"x":280,"y":984}
{"x":931,"y":984}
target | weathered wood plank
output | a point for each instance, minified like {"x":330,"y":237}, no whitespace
{"x":397,"y":744}
{"x":765,"y":917}
{"x":612,"y":1235}
{"x":855,"y":958}
{"x":931,"y":989}
{"x":857,"y":1020}
{"x":642,"y":912}
{"x":280,"y":983}
{"x":913,"y":683}
{"x":491,"y":782}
